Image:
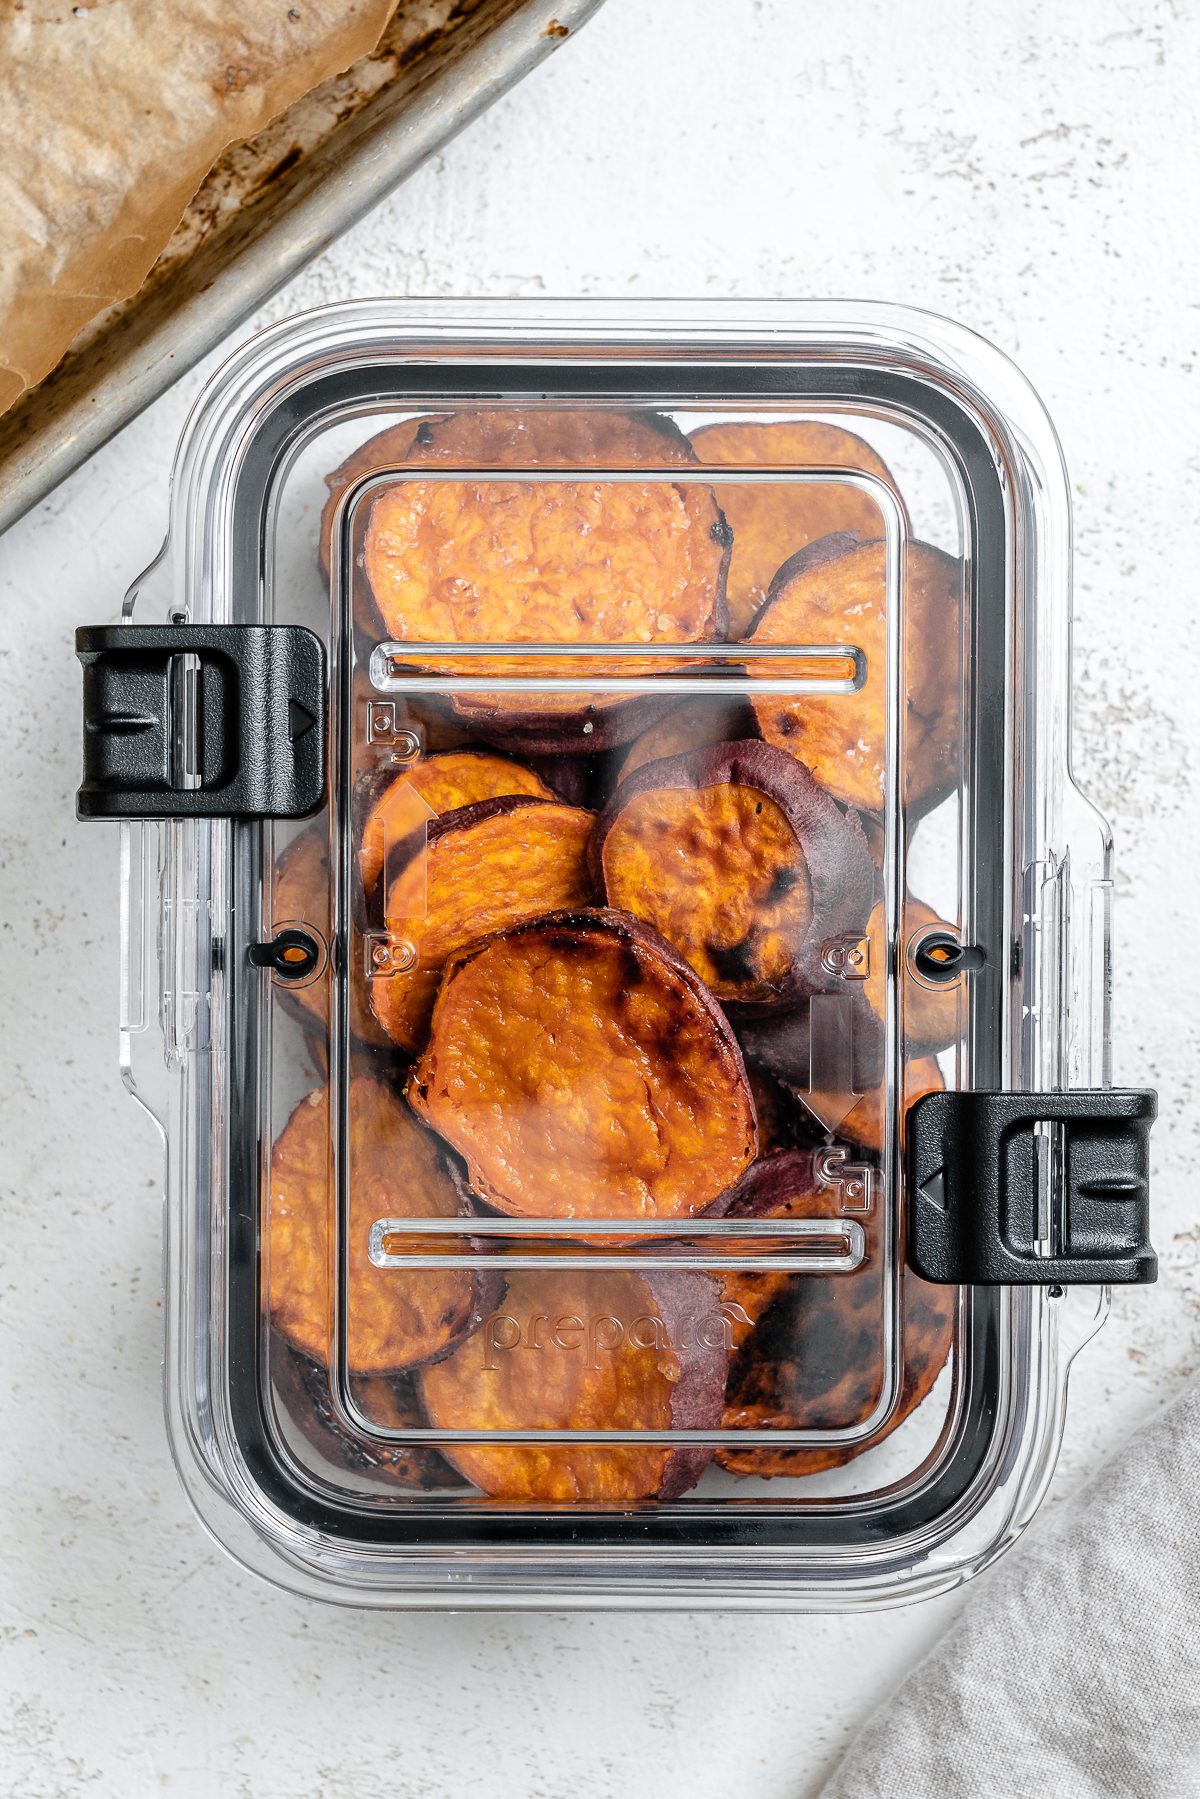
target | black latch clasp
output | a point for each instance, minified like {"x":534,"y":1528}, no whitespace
{"x":995,"y":1178}
{"x":201,"y":721}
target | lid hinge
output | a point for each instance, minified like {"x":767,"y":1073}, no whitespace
{"x":201,"y":721}
{"x":1031,"y":1189}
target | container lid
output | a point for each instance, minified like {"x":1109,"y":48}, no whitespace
{"x":694,"y":805}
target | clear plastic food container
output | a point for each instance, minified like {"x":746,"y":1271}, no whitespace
{"x":616,"y":954}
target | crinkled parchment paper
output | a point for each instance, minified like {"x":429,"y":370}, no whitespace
{"x":111,"y":114}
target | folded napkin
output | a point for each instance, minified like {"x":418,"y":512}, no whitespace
{"x":1075,"y":1671}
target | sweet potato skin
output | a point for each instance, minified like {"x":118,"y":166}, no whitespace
{"x":814,"y":1360}
{"x":383,"y":451}
{"x":395,"y":1320}
{"x":695,"y":725}
{"x":568,"y":778}
{"x":582,"y":1070}
{"x":782,"y":1121}
{"x":400,"y":803}
{"x":485,"y":866}
{"x":782,"y":1184}
{"x":742,"y":862}
{"x":771,"y":522}
{"x":586,"y":1350}
{"x":572,"y":562}
{"x":817,"y":597}
{"x":780,"y":1043}
{"x":301,"y":1387}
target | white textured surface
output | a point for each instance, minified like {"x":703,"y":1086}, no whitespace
{"x":1031,"y":170}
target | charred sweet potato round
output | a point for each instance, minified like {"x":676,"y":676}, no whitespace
{"x":742,"y":862}
{"x":780,"y":1185}
{"x":782,"y":1120}
{"x":386,"y":450}
{"x":301,"y":895}
{"x":395,"y":1320}
{"x":402,"y":802}
{"x":814,"y":1360}
{"x":390,"y":1402}
{"x":582,"y":1070}
{"x":836,"y":592}
{"x":537,"y":561}
{"x":771,"y":522}
{"x":930,"y":1012}
{"x":477,"y":869}
{"x":696,"y":725}
{"x":569,"y":778}
{"x":589,"y":1351}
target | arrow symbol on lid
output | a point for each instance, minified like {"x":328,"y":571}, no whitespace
{"x":831,"y":1095}
{"x":406,"y":831}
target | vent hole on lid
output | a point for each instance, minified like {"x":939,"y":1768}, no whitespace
{"x":940,"y":957}
{"x":291,"y":953}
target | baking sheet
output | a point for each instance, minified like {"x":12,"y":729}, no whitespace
{"x":269,"y":207}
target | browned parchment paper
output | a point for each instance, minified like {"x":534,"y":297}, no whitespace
{"x":111,"y":114}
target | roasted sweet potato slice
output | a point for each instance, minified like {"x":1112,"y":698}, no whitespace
{"x":772,"y":521}
{"x":782,"y":1121}
{"x":386,"y":450}
{"x":582,"y":1070}
{"x":864,"y":1125}
{"x":589,"y":1351}
{"x":742,"y":862}
{"x":696,"y":725}
{"x":390,"y":1402}
{"x":782,"y":1044}
{"x":536,"y":561}
{"x":395,"y":1319}
{"x":402,"y":802}
{"x":477,"y":869}
{"x":814,"y":1361}
{"x":569,"y":778}
{"x":780,"y":1185}
{"x":836,"y":592}
{"x":301,"y":895}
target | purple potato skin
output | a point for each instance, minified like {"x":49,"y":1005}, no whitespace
{"x":689,"y":1305}
{"x":462,"y":818}
{"x":587,"y":732}
{"x":841,"y":872}
{"x":813,"y":555}
{"x":781,"y":1044}
{"x":303,"y":1387}
{"x":570,"y":777}
{"x":769,"y":1185}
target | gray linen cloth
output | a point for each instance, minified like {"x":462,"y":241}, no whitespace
{"x":1074,"y":1673}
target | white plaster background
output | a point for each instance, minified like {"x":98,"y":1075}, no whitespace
{"x":1030,"y":169}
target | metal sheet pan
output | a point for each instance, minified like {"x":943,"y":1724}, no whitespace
{"x":268,"y":208}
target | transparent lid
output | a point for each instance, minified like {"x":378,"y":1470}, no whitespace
{"x":673,"y":726}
